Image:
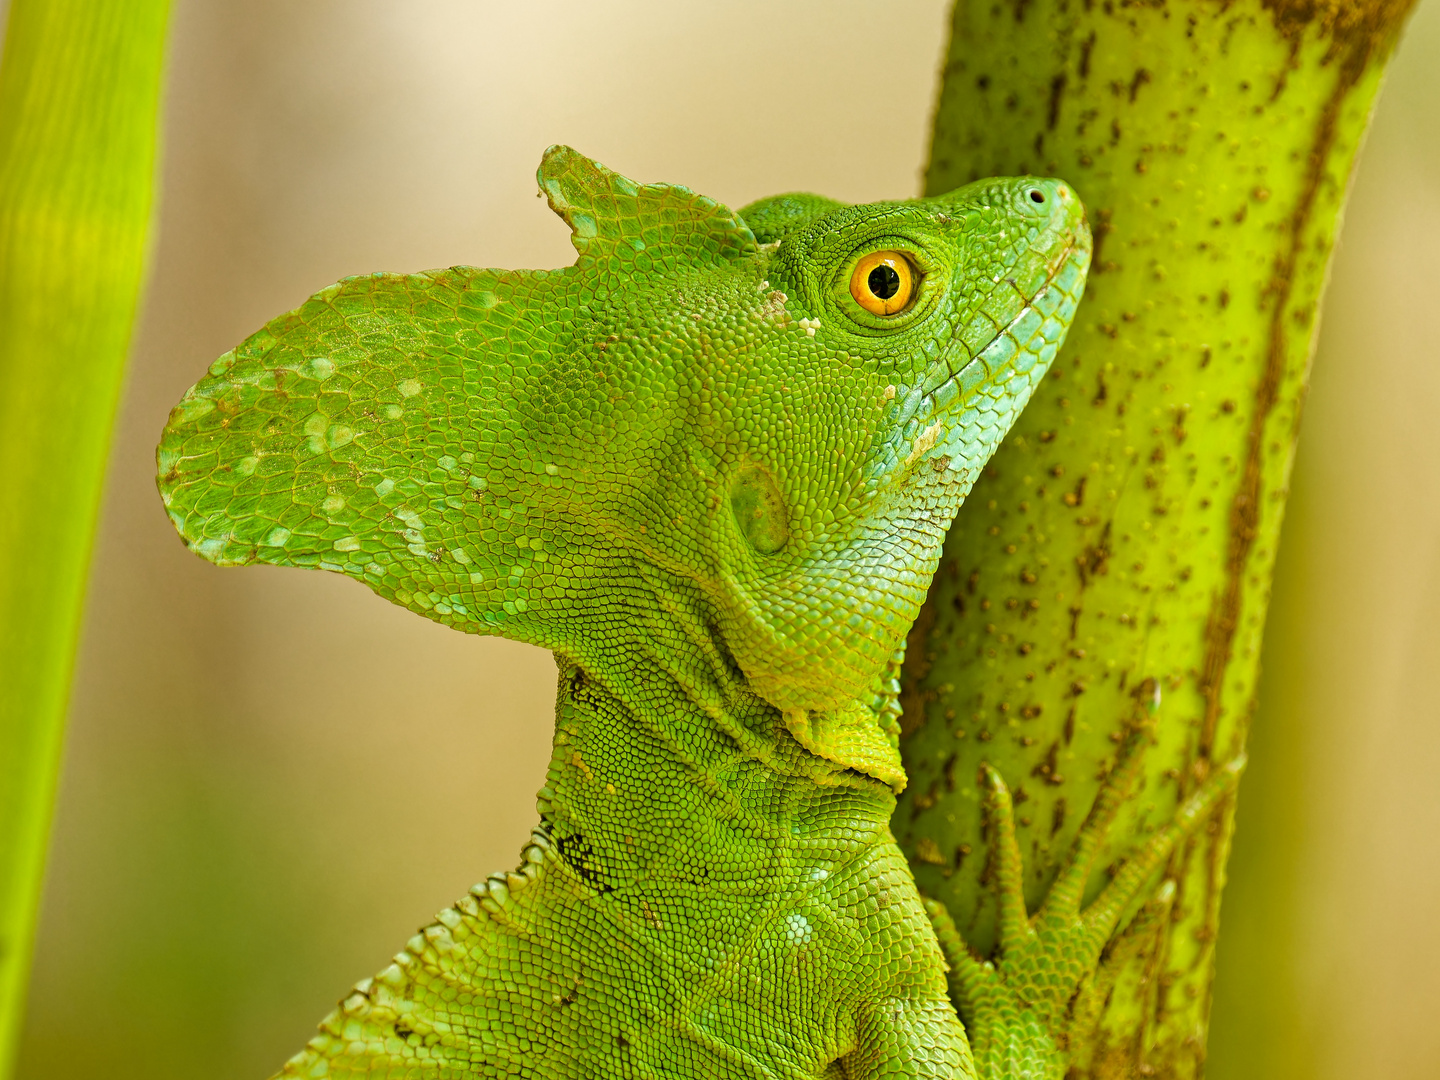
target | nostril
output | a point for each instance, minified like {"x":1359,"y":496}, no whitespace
{"x":1036,"y":195}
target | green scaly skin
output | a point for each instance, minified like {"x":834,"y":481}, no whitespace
{"x":695,"y":468}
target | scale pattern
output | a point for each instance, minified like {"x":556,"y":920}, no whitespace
{"x":694,"y":467}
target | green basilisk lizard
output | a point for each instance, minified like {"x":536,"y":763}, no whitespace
{"x":710,"y":466}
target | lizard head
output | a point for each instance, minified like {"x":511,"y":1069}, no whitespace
{"x":926,"y":326}
{"x":716,"y":434}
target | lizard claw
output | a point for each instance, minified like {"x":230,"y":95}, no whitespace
{"x":1017,"y":1013}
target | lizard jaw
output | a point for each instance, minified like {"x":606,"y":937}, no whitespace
{"x":960,"y":412}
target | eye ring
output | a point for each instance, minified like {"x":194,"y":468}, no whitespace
{"x":885,"y":282}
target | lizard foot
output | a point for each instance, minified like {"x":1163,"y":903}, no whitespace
{"x":1048,"y":976}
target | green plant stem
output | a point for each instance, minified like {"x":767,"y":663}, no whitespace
{"x":1119,"y":548}
{"x":79,"y":94}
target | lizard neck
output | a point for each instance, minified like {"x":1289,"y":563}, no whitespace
{"x":693,"y":770}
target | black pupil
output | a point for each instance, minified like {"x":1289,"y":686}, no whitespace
{"x":884,"y":282}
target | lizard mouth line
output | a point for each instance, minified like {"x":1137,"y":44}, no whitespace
{"x":943,"y":384}
{"x":1032,"y":336}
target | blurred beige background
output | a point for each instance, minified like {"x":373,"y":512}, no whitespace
{"x":273,"y":777}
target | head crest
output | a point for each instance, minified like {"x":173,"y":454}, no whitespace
{"x":613,"y":219}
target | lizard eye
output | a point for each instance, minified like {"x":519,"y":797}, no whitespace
{"x":884,"y":282}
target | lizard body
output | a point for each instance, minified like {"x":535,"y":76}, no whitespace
{"x":711,"y":466}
